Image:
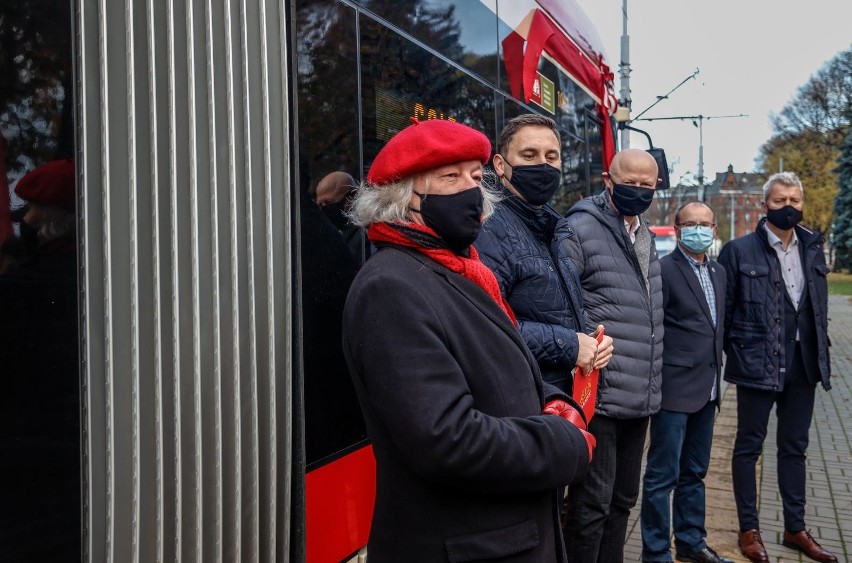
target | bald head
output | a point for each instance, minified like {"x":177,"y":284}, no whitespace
{"x":334,"y":187}
{"x":694,"y":209}
{"x":635,"y":167}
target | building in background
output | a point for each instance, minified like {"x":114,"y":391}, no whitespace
{"x":734,"y":196}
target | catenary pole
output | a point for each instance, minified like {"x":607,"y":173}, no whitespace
{"x":625,"y":73}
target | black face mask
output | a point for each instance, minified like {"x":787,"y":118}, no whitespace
{"x":456,"y":218}
{"x":535,"y":182}
{"x":631,"y":200}
{"x":785,"y":218}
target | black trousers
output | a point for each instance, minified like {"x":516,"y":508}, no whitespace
{"x":794,"y":409}
{"x":599,"y":506}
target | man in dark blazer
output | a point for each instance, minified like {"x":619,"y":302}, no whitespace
{"x":682,"y":432}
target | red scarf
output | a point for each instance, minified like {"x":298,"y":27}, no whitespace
{"x":471,"y":268}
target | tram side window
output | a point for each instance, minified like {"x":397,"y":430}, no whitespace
{"x":573,"y":109}
{"x":581,"y":147}
{"x":465,"y":32}
{"x":331,"y":248}
{"x":595,"y":144}
{"x":400,"y":80}
{"x":39,"y":360}
{"x":574,"y":154}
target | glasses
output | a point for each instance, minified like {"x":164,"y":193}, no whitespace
{"x":694,"y":224}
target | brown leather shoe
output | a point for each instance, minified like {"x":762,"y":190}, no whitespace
{"x":803,"y":541}
{"x":752,"y":546}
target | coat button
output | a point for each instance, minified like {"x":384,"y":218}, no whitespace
{"x":752,"y":273}
{"x":560,"y":342}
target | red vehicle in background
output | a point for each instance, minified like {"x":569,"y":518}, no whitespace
{"x":664,"y":238}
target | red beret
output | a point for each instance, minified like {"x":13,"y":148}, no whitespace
{"x":51,"y":183}
{"x":425,"y":145}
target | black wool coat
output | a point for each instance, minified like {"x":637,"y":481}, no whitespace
{"x":467,"y":467}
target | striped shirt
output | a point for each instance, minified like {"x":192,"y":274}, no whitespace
{"x":701,"y":270}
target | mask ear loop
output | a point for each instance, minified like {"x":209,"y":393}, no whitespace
{"x":503,"y":175}
{"x":422,"y":198}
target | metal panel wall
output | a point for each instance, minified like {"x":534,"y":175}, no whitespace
{"x":185,"y":292}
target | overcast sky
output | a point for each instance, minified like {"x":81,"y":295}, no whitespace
{"x":752,"y":56}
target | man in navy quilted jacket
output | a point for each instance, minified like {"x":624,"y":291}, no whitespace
{"x":777,"y":351}
{"x":520,"y":243}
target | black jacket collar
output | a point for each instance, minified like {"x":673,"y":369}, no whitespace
{"x":539,"y":220}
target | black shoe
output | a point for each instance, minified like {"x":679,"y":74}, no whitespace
{"x":706,"y":555}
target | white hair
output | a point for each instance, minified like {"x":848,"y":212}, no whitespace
{"x":388,"y":203}
{"x":783,"y":178}
{"x":55,"y":222}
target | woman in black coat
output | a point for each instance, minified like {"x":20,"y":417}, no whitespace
{"x":468,"y":467}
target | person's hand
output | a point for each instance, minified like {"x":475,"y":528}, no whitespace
{"x":587,"y":351}
{"x":563,"y":410}
{"x":604,"y":349}
{"x":590,"y":443}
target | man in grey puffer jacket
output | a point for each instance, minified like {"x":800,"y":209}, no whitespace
{"x":614,"y":253}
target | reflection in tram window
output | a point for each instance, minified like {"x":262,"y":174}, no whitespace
{"x":359,"y":82}
{"x":40,"y":406}
{"x":393,"y":93}
{"x":331,"y":249}
{"x":460,"y":30}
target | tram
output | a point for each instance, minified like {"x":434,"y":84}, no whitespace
{"x":176,"y":386}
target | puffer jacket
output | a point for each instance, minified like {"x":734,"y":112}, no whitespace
{"x":615,"y":295}
{"x":754,"y":326}
{"x":522,"y":245}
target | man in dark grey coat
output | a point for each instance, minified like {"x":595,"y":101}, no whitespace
{"x":469,"y":454}
{"x":613,"y":250}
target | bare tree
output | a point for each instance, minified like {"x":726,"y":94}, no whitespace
{"x":822,"y":105}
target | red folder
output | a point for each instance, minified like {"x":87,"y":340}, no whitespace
{"x":586,"y":388}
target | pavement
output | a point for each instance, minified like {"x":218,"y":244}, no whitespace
{"x":829,"y":464}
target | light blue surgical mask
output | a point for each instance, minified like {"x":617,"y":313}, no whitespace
{"x":697,"y":238}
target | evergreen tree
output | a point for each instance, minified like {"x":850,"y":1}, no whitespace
{"x":843,"y":208}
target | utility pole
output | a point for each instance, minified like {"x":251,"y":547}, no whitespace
{"x":625,"y":73}
{"x":697,"y":121}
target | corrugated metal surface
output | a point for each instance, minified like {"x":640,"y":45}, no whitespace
{"x":183,"y":148}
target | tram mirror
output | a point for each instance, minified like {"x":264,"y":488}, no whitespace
{"x":663,"y":166}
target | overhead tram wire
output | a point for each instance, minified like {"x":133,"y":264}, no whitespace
{"x":697,"y":121}
{"x":667,"y":94}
